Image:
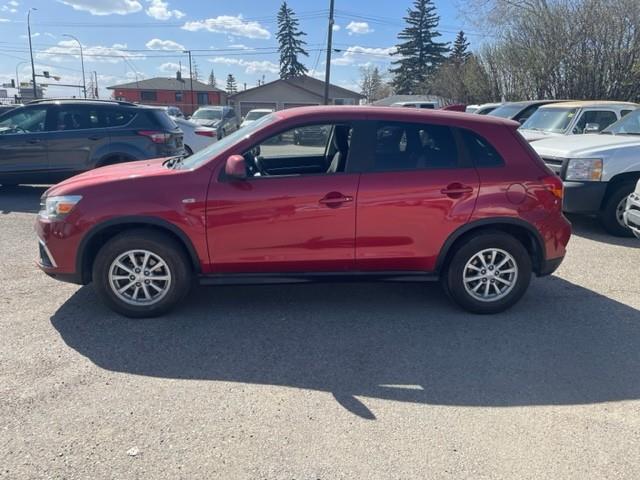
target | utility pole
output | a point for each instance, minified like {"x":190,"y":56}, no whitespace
{"x":193,"y":104}
{"x":33,"y":68}
{"x":327,"y":73}
{"x":84,"y":82}
{"x":97,"y":92}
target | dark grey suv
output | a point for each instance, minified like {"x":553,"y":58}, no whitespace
{"x":49,"y":140}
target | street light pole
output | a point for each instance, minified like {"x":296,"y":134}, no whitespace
{"x":84,"y":83}
{"x":17,"y":76}
{"x":327,"y":73}
{"x":33,"y":68}
{"x":193,"y":104}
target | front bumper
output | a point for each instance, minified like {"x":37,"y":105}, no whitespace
{"x":57,"y":243}
{"x":583,"y":197}
{"x":632,"y":214}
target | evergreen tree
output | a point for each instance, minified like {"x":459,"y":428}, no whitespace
{"x":420,"y":53}
{"x":232,"y":85}
{"x":460,"y":52}
{"x":290,"y":43}
{"x":212,"y":79}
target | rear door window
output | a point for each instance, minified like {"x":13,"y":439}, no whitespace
{"x":78,"y":117}
{"x":414,"y":146}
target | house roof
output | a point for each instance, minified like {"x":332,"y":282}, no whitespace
{"x":162,"y":83}
{"x":308,"y":84}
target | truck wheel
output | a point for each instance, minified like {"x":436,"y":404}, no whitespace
{"x":488,"y":273}
{"x":141,"y":273}
{"x":611,"y":213}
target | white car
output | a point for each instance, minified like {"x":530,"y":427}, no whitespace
{"x":483,"y":109}
{"x":254,"y":115}
{"x":573,"y":118}
{"x":196,"y":137}
{"x":416,"y":104}
{"x":632,"y":212}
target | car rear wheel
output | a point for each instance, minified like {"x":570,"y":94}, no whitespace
{"x":489,"y":273}
{"x":611,"y":215}
{"x":141,"y":274}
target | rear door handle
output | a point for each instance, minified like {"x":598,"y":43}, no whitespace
{"x":95,"y":137}
{"x":33,"y":141}
{"x":335,"y":199}
{"x":456,"y":190}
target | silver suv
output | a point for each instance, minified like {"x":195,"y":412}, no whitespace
{"x":223,"y":119}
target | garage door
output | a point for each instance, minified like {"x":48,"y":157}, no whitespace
{"x":294,"y":105}
{"x":245,"y":107}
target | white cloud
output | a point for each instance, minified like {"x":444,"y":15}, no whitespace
{"x":359,"y":28}
{"x":2,"y":20}
{"x":239,"y":46}
{"x":105,"y":7}
{"x":362,"y":54}
{"x":160,"y":10}
{"x":169,"y":67}
{"x":230,"y":25}
{"x":9,"y":7}
{"x":13,"y":3}
{"x":336,"y":27}
{"x":250,"y":66}
{"x":157,"y":44}
{"x":68,"y":50}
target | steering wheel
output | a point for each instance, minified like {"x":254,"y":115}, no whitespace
{"x":258,"y":162}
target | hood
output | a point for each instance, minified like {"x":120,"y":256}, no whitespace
{"x":535,"y":135}
{"x":576,"y":146}
{"x":121,"y":172}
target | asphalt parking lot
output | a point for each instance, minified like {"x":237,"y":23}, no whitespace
{"x":321,"y":381}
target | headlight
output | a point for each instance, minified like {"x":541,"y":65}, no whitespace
{"x":586,"y":169}
{"x":58,"y":207}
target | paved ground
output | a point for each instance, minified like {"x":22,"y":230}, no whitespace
{"x":334,"y":381}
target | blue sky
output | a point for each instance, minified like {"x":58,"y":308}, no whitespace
{"x":123,"y":39}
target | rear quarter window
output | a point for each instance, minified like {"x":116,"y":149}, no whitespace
{"x":482,"y":153}
{"x":162,"y":119}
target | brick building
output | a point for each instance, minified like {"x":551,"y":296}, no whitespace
{"x":170,"y":91}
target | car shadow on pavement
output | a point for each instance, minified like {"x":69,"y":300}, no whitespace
{"x":25,"y":199}
{"x":590,"y":228}
{"x":562,"y":345}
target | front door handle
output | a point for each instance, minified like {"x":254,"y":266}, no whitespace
{"x":95,"y":137}
{"x":335,"y":199}
{"x":456,"y":190}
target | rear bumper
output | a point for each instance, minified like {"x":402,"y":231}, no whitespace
{"x":583,"y":197}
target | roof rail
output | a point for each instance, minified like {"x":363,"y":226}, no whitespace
{"x":88,"y":100}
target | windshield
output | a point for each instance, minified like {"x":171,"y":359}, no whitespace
{"x":220,"y":146}
{"x":508,"y":110}
{"x":208,"y":114}
{"x":627,"y":125}
{"x":552,"y":120}
{"x":256,"y":115}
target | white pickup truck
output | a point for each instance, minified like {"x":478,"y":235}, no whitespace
{"x":599,"y":171}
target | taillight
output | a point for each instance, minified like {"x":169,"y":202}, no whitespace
{"x":206,"y":133}
{"x":155,"y":136}
{"x":554,"y":184}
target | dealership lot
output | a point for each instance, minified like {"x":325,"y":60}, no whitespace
{"x":321,"y":381}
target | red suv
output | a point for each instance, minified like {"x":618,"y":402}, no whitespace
{"x":380,"y":194}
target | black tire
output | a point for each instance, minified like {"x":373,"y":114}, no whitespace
{"x":453,"y":277}
{"x":609,"y":212}
{"x":166,"y":248}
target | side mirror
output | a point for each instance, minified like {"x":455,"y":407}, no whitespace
{"x":592,"y":128}
{"x":236,"y":167}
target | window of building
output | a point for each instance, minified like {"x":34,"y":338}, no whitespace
{"x":148,"y":96}
{"x":344,"y":101}
{"x":203,"y":98}
{"x":179,"y":96}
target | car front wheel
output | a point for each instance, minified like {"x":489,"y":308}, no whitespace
{"x":613,"y":210}
{"x":489,"y":273}
{"x":141,"y":274}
